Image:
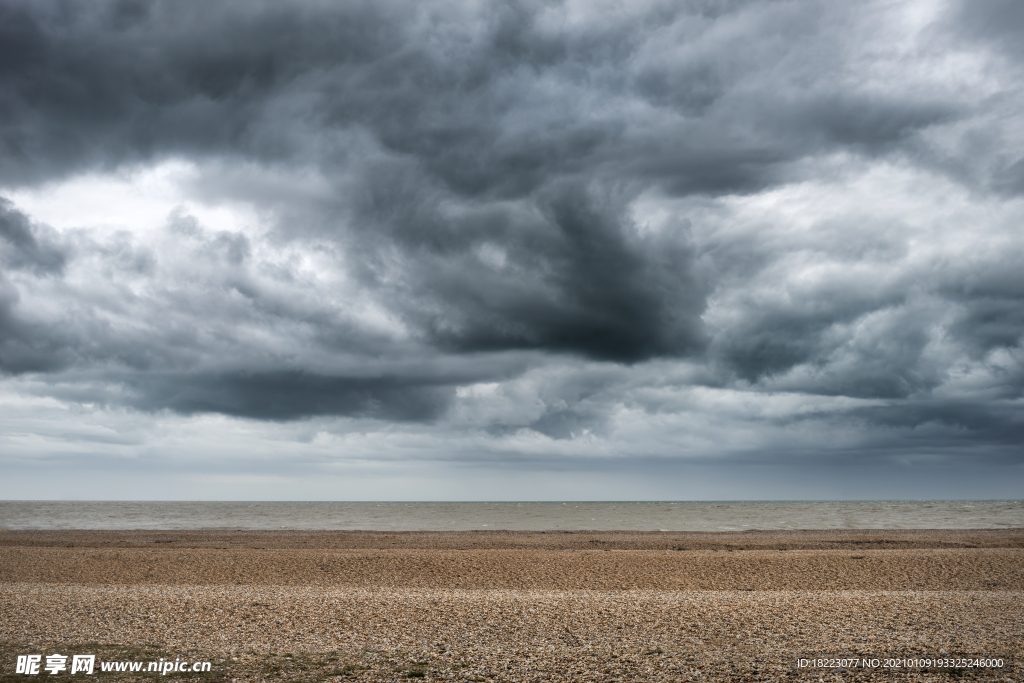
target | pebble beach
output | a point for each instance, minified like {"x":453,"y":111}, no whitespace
{"x":528,"y":606}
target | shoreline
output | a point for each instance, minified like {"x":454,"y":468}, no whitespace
{"x":495,"y":539}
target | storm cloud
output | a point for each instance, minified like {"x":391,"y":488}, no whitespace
{"x":527,"y":235}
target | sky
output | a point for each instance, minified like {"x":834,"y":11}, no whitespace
{"x":459,"y":250}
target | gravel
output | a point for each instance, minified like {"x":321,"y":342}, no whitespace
{"x":519,"y":615}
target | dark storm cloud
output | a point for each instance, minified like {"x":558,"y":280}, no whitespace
{"x":154,"y":366}
{"x":990,"y":304}
{"x":852,"y":345}
{"x":564,"y":273}
{"x":291,"y":395}
{"x":995,"y":23}
{"x":33,"y":248}
{"x":954,"y":422}
{"x":483,"y":99}
{"x":492,"y":102}
{"x":480,"y":167}
{"x":23,"y":245}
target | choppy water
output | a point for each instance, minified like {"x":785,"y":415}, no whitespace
{"x":667,"y":516}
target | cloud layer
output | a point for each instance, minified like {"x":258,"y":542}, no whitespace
{"x":537,"y":236}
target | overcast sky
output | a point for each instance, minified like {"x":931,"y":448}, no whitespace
{"x":511,"y":250}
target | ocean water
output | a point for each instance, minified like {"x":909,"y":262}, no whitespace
{"x":389,"y":516}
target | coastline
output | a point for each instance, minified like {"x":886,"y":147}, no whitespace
{"x":508,"y":606}
{"x":762,"y":539}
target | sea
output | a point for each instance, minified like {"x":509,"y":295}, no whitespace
{"x":520,"y":516}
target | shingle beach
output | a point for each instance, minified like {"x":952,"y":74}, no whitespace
{"x":529,"y":606}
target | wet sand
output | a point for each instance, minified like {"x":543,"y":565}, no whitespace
{"x":482,"y":606}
